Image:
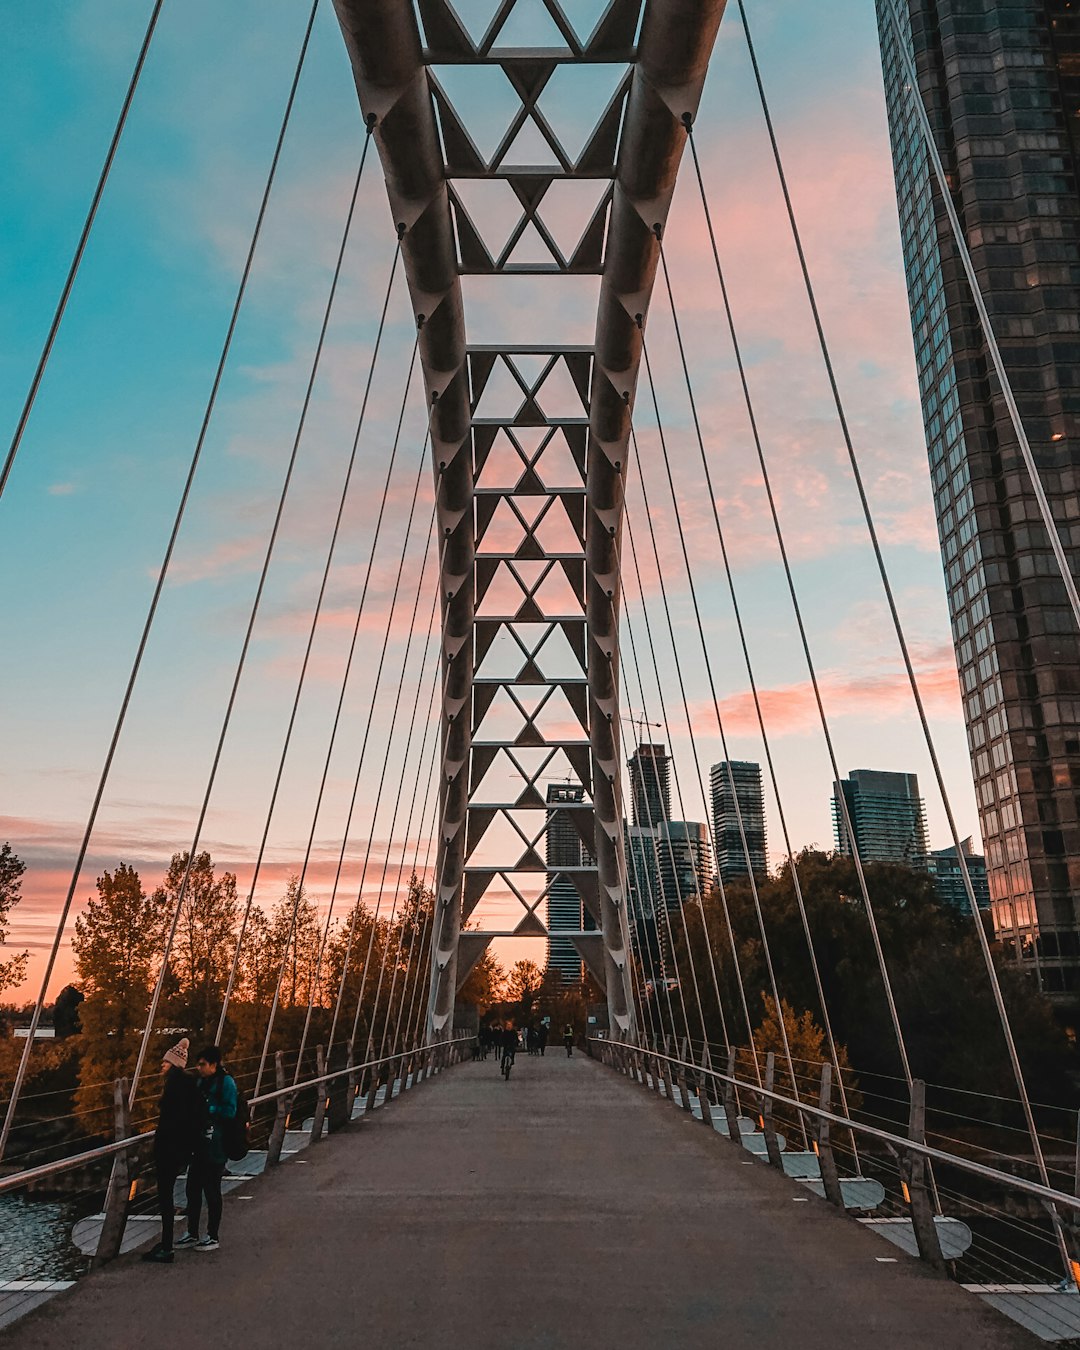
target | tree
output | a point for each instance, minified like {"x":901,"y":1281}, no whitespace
{"x":935,"y":967}
{"x":118,"y":939}
{"x":485,"y":983}
{"x":295,"y":938}
{"x":809,"y":1050}
{"x":523,"y":984}
{"x":12,"y":867}
{"x":205,"y":937}
{"x":66,"y":1021}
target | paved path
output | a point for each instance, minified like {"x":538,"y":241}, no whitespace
{"x":566,"y":1208}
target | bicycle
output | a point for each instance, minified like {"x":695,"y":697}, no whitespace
{"x":507,"y":1064}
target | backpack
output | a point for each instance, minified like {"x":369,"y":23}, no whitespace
{"x":234,"y":1132}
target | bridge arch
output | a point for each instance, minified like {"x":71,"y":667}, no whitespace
{"x":632,"y":156}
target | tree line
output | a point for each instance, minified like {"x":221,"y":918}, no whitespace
{"x":287,"y":955}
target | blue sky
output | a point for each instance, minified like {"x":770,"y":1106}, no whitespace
{"x":83,"y":523}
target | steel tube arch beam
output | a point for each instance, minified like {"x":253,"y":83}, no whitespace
{"x":669,"y":68}
{"x":384,"y":47}
{"x":677,"y":38}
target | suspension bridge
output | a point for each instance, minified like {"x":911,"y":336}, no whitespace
{"x":527,"y":590}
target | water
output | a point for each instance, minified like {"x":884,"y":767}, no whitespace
{"x":35,"y":1238}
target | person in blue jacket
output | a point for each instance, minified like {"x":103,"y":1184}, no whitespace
{"x":208,"y":1165}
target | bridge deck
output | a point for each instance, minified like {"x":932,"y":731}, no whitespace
{"x":563,"y":1208}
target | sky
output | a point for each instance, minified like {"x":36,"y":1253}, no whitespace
{"x":84,"y":520}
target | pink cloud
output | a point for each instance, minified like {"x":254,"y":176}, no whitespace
{"x":791,"y":710}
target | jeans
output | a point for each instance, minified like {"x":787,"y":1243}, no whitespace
{"x":204,"y":1179}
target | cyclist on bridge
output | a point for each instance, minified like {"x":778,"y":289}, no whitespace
{"x":509,"y":1049}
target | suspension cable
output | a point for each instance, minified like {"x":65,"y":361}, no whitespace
{"x":80,"y":249}
{"x":656,"y":903}
{"x":435,"y":685}
{"x":723,"y":897}
{"x":405,"y":755}
{"x":159,"y":586}
{"x":411,"y":1024}
{"x":429,"y":726}
{"x":371,"y":835}
{"x":842,"y":804}
{"x":698,"y":881}
{"x":326,"y":769}
{"x":316,"y":615}
{"x":635,"y":913}
{"x":853,"y":460}
{"x":744,"y":646}
{"x":765,"y":945}
{"x":355,"y":912}
{"x":250,"y":629}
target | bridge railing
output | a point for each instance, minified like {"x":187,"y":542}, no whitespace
{"x":434,"y":1054}
{"x":75,"y":1184}
{"x":717,"y":1093}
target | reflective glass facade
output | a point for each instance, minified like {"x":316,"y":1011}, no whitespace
{"x":730,"y":854}
{"x":887,"y":816}
{"x":1002,"y":86}
{"x":565,"y":911}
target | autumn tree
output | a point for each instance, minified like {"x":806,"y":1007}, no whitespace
{"x":295,"y":937}
{"x":117,"y":946}
{"x":809,"y":1049}
{"x":354,"y":952}
{"x":523,"y":984}
{"x":485,"y":984}
{"x":12,"y":867}
{"x":205,"y":937}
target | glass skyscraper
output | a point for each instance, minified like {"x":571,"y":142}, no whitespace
{"x":650,"y":785}
{"x":887,"y":816}
{"x":1001,"y":83}
{"x":731,"y":857}
{"x":565,"y":911}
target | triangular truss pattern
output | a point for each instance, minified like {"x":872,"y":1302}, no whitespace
{"x":530,"y":707}
{"x":530,"y":136}
{"x":533,"y":116}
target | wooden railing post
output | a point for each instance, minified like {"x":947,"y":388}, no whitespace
{"x":124,"y":1168}
{"x":768,"y":1122}
{"x":320,"y":1095}
{"x":731,"y":1100}
{"x":826,"y":1159}
{"x":916,"y":1193}
{"x":277,"y":1133}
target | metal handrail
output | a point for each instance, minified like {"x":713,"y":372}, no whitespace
{"x":899,"y":1142}
{"x":16,"y":1180}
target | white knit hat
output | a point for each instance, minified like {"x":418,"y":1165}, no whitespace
{"x":178,"y":1054}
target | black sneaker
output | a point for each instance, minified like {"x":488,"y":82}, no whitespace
{"x":158,"y":1256}
{"x":188,"y":1240}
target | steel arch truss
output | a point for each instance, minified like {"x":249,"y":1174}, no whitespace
{"x":574,"y":176}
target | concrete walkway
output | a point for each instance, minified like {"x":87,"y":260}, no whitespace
{"x":565,"y":1208}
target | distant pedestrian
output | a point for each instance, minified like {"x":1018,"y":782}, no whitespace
{"x":541,"y":1037}
{"x":568,"y":1040}
{"x":211,"y":1153}
{"x":181,"y":1115}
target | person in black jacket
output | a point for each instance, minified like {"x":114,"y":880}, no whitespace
{"x":181,"y":1123}
{"x":207,"y":1167}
